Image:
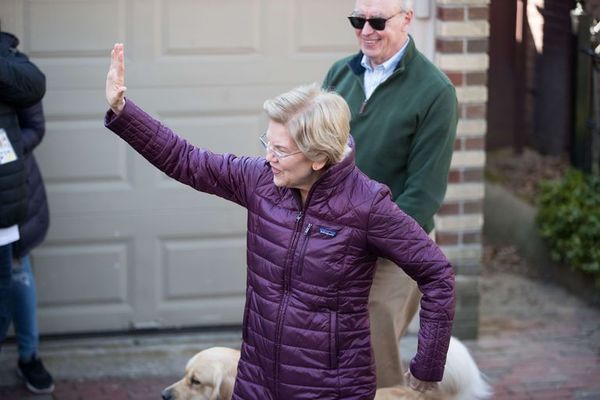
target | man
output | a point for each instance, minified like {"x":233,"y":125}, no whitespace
{"x":21,"y":84}
{"x":404,"y":116}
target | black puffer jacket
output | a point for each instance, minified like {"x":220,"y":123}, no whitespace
{"x":21,"y":85}
{"x":33,"y":230}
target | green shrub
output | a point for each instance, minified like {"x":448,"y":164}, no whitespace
{"x":569,"y":220}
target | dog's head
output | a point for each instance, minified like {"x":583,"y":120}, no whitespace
{"x":209,"y":375}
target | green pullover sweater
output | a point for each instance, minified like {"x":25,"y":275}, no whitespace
{"x":404,"y":134}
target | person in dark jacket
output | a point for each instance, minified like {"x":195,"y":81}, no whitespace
{"x":21,"y":85}
{"x":316,"y":225}
{"x":32,"y":232}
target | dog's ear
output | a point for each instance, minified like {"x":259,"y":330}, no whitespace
{"x":217,"y":380}
{"x":227,"y":384}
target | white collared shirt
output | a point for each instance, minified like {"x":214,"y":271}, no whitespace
{"x":374,"y":76}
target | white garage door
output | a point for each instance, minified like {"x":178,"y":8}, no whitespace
{"x":127,"y":247}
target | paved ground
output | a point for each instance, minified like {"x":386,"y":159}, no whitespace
{"x":536,"y":342}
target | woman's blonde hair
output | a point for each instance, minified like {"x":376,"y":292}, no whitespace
{"x":318,"y":121}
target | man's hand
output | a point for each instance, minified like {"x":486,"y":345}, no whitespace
{"x":115,"y":79}
{"x":418,"y":385}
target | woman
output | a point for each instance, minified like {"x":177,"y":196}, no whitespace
{"x":316,"y":225}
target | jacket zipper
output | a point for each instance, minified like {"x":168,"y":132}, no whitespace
{"x":287,"y":282}
{"x":286,"y":296}
{"x":303,"y":249}
{"x":363,"y":105}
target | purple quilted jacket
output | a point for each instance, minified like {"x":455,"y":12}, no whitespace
{"x":306,"y":323}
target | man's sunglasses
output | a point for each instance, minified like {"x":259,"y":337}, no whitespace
{"x":376,"y":23}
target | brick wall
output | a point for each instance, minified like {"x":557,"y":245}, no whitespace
{"x":462,"y":32}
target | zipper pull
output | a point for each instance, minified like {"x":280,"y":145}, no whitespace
{"x":362,"y":106}
{"x":307,"y":230}
{"x":299,"y":216}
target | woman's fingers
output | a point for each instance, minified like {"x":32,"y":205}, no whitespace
{"x":418,"y":385}
{"x":115,"y":79}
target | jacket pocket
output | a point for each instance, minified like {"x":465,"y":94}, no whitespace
{"x":306,"y":235}
{"x":333,"y":340}
{"x":246,"y":313}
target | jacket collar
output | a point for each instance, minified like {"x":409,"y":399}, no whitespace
{"x":411,"y":50}
{"x":336,"y":173}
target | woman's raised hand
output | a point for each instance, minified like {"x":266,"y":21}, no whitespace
{"x":115,"y":79}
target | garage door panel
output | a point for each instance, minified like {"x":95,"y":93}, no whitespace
{"x":187,"y":212}
{"x":234,"y":134}
{"x":83,"y":274}
{"x":213,"y":21}
{"x":200,"y":214}
{"x":202,"y":268}
{"x":88,"y":155}
{"x":77,"y":28}
{"x":97,"y":318}
{"x":210,"y":312}
{"x":320,"y":26}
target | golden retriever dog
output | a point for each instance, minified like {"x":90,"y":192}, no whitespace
{"x":210,"y":375}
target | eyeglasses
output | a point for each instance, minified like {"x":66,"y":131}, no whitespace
{"x":278,"y":154}
{"x":377,"y":23}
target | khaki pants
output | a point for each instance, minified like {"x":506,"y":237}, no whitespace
{"x":393,"y":302}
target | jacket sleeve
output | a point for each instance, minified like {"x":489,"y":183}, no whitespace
{"x":227,"y":176}
{"x":33,"y":126}
{"x":429,"y":160}
{"x":21,"y":82}
{"x":394,"y":235}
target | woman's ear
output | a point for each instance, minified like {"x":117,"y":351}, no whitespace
{"x":319,"y":165}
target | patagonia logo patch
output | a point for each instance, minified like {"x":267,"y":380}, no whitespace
{"x":327,"y":232}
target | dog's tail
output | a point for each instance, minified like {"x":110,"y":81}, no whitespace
{"x":462,"y":378}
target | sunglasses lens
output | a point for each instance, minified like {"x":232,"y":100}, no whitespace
{"x":377,"y":23}
{"x":357,"y":22}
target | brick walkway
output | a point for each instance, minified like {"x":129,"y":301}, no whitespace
{"x":536,"y":342}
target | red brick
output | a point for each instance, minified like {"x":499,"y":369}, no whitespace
{"x":449,"y":209}
{"x":476,"y":78}
{"x":450,"y":14}
{"x":449,"y":46}
{"x":454,"y":176}
{"x":478,"y":46}
{"x":479,"y":13}
{"x":473,"y":175}
{"x":473,"y":207}
{"x":475,"y":110}
{"x":474,"y":144}
{"x":471,"y":237}
{"x":447,"y":238}
{"x":458,"y":144}
{"x":457,"y":78}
